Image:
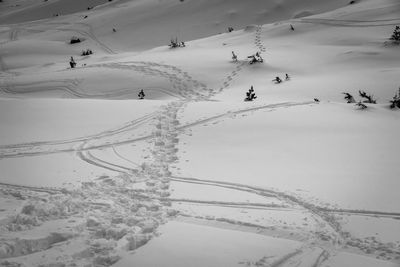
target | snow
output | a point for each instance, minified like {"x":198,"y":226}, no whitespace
{"x":192,"y":175}
{"x":343,"y":142}
{"x":32,"y":122}
{"x":208,"y":247}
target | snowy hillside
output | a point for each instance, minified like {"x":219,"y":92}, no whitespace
{"x":192,"y":175}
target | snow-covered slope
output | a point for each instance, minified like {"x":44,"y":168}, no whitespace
{"x":192,"y":175}
{"x":142,"y":24}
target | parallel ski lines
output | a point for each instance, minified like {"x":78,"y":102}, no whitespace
{"x":50,"y":147}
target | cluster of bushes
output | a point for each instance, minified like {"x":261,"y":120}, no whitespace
{"x":365,"y":98}
{"x":87,"y":52}
{"x":369,"y":99}
{"x":174,"y":43}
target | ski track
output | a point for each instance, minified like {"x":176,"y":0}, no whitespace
{"x":303,"y":257}
{"x":351,"y":23}
{"x":283,"y":260}
{"x":129,"y":126}
{"x":328,"y":234}
{"x":88,"y":33}
{"x":71,"y":86}
{"x":123,"y":157}
{"x":290,"y":199}
{"x":48,"y":190}
{"x":247,"y":205}
{"x":89,"y":158}
{"x":68,"y":85}
{"x":50,"y":147}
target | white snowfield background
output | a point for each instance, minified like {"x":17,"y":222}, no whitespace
{"x":192,"y":175}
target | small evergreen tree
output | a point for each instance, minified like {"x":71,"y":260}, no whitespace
{"x":396,"y":34}
{"x":369,"y":98}
{"x":396,"y":101}
{"x":349,"y":98}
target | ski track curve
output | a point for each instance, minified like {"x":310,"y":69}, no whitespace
{"x":95,"y":161}
{"x":119,"y":155}
{"x":69,"y":145}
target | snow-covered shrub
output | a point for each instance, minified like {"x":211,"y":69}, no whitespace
{"x":87,"y":52}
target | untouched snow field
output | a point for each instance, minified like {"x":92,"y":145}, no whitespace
{"x":193,"y":175}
